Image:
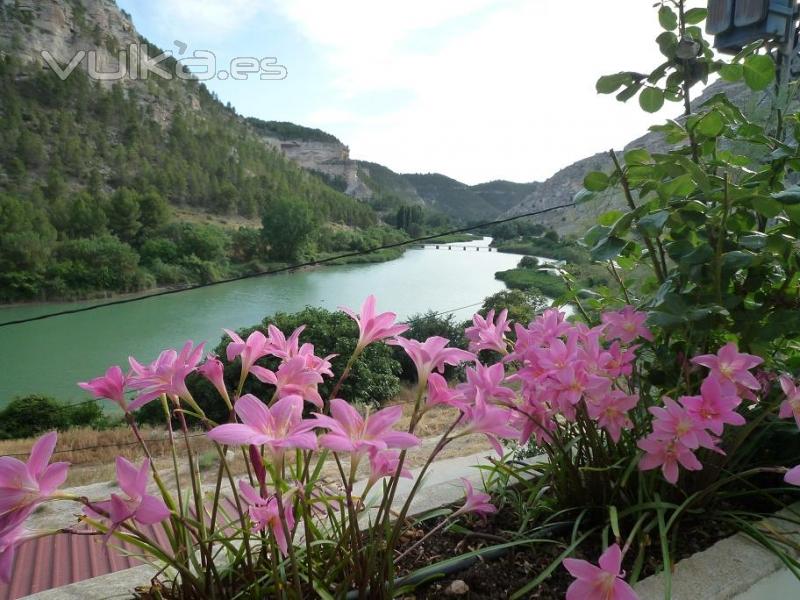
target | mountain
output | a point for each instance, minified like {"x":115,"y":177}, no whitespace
{"x":563,"y":185}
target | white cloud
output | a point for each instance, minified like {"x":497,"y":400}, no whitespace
{"x":210,"y":18}
{"x":506,"y":90}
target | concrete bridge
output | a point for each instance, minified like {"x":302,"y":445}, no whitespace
{"x":458,"y":247}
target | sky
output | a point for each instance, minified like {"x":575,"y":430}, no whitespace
{"x":475,"y":89}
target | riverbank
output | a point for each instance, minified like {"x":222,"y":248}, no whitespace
{"x":80,"y":346}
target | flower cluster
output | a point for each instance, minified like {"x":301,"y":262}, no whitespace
{"x":556,"y":382}
{"x":682,"y":427}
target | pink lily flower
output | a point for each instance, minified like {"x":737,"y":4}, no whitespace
{"x":712,"y":409}
{"x":265,"y":514}
{"x":792,"y":476}
{"x":611,"y":412}
{"x":166,"y":375}
{"x":535,"y":418}
{"x":673,"y":421}
{"x":315,"y":363}
{"x":110,"y":386}
{"x":731,"y":368}
{"x":372,"y":327}
{"x":214,"y":371}
{"x":432,"y":355}
{"x":621,"y":361}
{"x":278,"y":345}
{"x":137,"y":504}
{"x":293,"y":378}
{"x":257,"y":346}
{"x":350,"y":432}
{"x":280,"y":428}
{"x":484,"y":384}
{"x":603,"y":582}
{"x":491,"y":421}
{"x":440,"y":393}
{"x":626,"y":325}
{"x":384,"y":463}
{"x":488,"y":334}
{"x":791,"y":406}
{"x":24,"y":485}
{"x":667,"y":454}
{"x":550,"y":325}
{"x":9,"y":541}
{"x":475,"y":502}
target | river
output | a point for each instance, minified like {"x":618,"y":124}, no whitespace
{"x":50,"y":356}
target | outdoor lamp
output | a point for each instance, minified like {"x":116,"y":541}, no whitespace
{"x":737,"y":23}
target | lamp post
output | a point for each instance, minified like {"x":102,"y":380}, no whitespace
{"x":737,"y":23}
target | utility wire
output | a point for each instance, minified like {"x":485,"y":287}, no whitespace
{"x":126,"y":444}
{"x":284,"y":269}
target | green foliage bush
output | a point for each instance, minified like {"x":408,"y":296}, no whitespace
{"x":374,"y":377}
{"x":31,"y":415}
{"x":527,"y":279}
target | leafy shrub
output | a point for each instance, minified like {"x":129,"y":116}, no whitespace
{"x":32,"y":415}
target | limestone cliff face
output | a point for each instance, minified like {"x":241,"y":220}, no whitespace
{"x":63,"y":29}
{"x":330,"y":158}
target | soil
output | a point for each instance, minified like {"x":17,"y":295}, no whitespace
{"x":499,"y":578}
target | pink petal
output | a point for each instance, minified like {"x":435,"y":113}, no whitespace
{"x":611,"y":559}
{"x":793,"y":476}
{"x":41,"y":452}
{"x":346,"y":415}
{"x":288,"y":409}
{"x":623,"y":591}
{"x":7,"y":563}
{"x":581,"y":569}
{"x":232,"y":434}
{"x":400,"y":439}
{"x":127,"y":476}
{"x":253,"y":412}
{"x":52,"y":478}
{"x":151,"y":510}
{"x":337,"y":443}
{"x":383,"y":419}
{"x":264,"y":375}
{"x":582,"y":590}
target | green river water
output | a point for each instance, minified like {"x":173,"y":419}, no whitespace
{"x":50,"y":356}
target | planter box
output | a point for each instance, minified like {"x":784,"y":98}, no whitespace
{"x":734,"y":568}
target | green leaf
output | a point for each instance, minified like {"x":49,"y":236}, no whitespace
{"x":695,"y":15}
{"x":766,"y":206}
{"x":667,"y":18}
{"x":731,"y":72}
{"x":733,"y":261}
{"x":788,"y":196}
{"x":680,"y":186}
{"x":608,"y":84}
{"x":759,"y":71}
{"x":639,"y":156}
{"x":596,"y":181}
{"x":711,"y":125}
{"x":793,"y":212}
{"x":582,"y":196}
{"x":667,"y":44}
{"x":653,"y":223}
{"x":610,"y":217}
{"x":629,"y":92}
{"x":595,"y":234}
{"x":651,"y":99}
{"x":608,"y":248}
